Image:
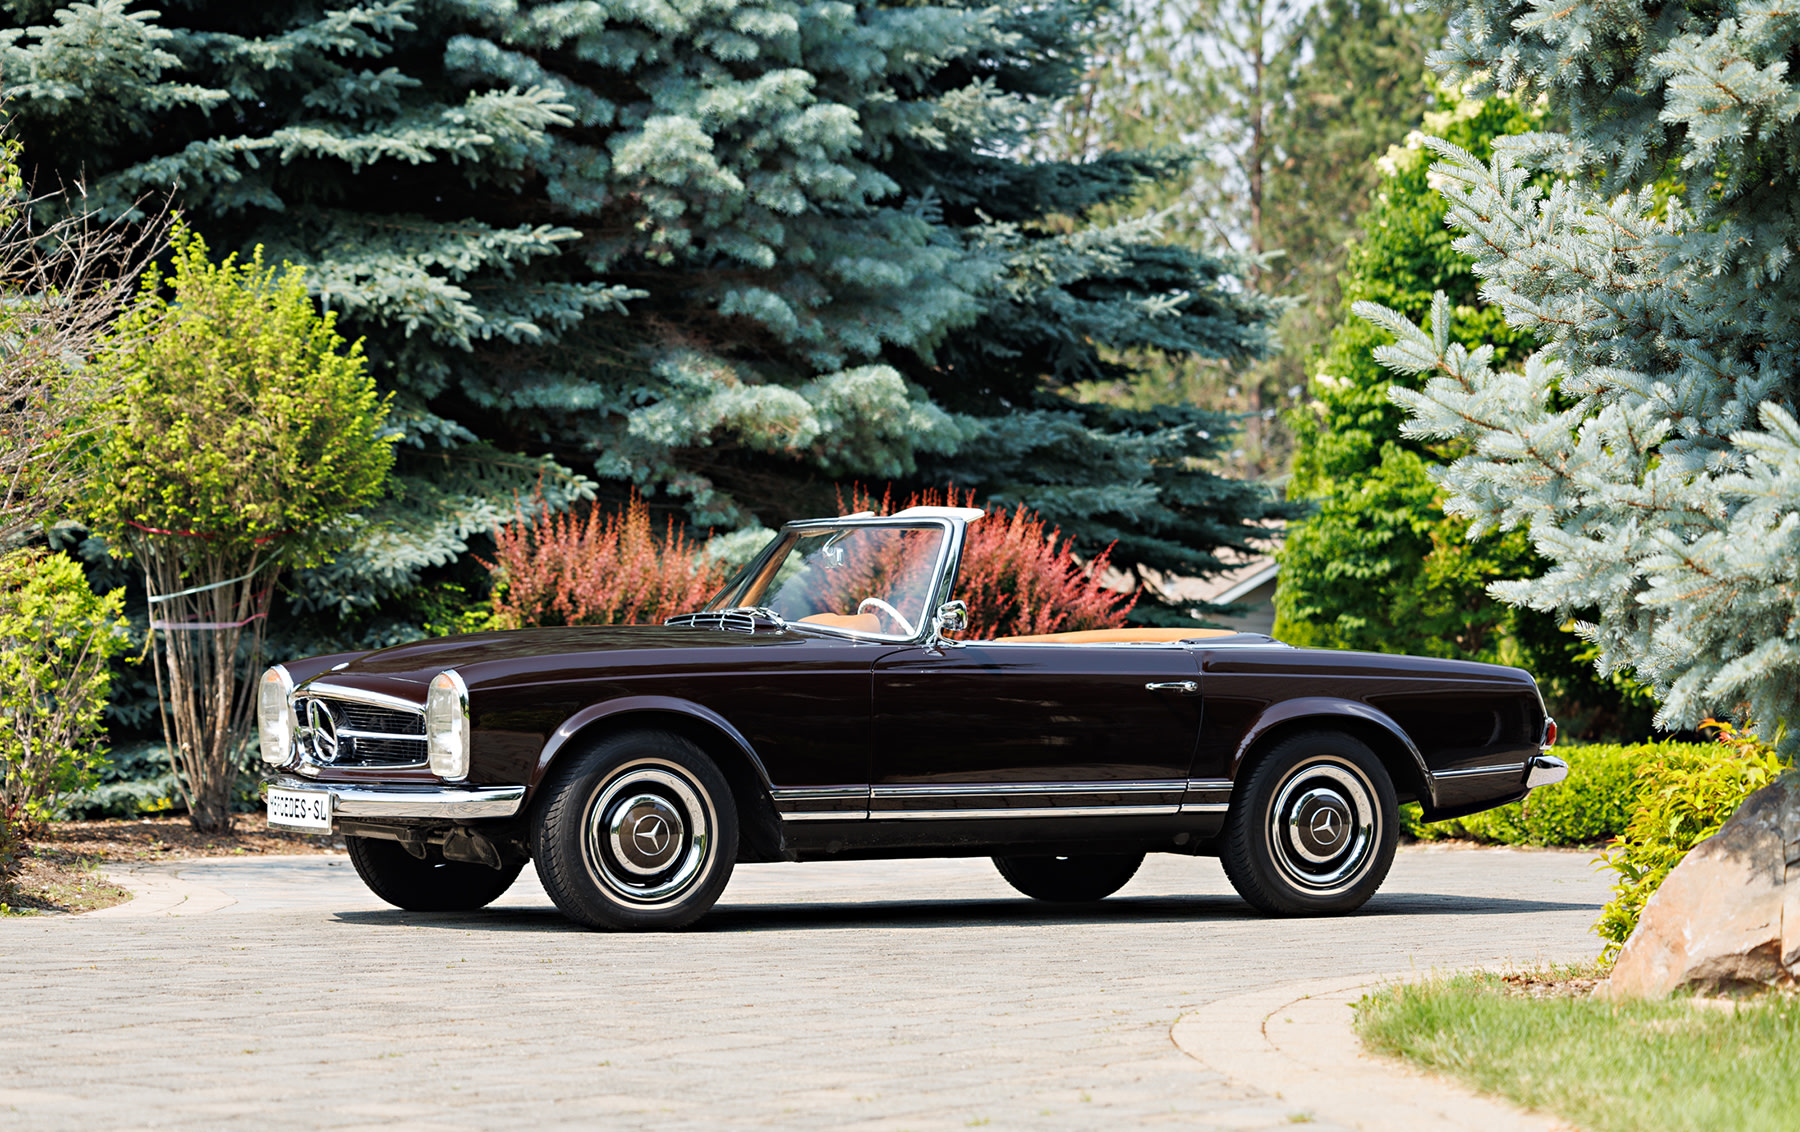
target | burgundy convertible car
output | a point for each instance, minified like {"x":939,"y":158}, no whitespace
{"x":823,"y":707}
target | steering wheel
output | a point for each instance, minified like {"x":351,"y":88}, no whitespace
{"x":884,"y":607}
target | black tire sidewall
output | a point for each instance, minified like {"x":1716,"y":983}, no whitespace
{"x":429,"y":885}
{"x":1248,"y":857}
{"x":1069,"y":879}
{"x":560,"y":821}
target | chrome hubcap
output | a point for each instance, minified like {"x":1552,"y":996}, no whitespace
{"x":649,"y":833}
{"x":1323,"y":825}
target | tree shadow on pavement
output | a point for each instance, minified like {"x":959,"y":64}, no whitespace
{"x":938,"y":914}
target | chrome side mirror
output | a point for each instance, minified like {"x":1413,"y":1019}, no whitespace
{"x":952,"y":617}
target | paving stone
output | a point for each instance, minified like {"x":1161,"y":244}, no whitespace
{"x":865,"y":995}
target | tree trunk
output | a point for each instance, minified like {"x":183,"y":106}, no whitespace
{"x":207,"y":614}
{"x":1258,"y":158}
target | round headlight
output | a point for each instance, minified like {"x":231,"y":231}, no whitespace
{"x":275,"y":719}
{"x":447,"y":725}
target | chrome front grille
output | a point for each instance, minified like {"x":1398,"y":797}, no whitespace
{"x":380,"y":720}
{"x":336,"y":732}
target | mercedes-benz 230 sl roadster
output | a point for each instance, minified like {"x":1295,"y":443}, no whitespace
{"x":824,"y":706}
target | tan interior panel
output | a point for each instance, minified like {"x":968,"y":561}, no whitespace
{"x":854,"y":622}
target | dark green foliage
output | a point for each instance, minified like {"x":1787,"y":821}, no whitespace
{"x":722,"y":253}
{"x":133,"y":779}
{"x":1378,"y":565}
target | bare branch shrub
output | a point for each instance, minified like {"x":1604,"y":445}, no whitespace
{"x":61,"y":285}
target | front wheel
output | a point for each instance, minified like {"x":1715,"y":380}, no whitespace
{"x":639,"y":832}
{"x":1070,"y":880}
{"x":1312,"y":832}
{"x":429,"y":885}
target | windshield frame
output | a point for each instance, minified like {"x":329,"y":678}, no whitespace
{"x":949,"y":559}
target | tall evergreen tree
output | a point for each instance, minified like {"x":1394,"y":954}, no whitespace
{"x":720,"y":252}
{"x":1650,"y":445}
{"x":1284,"y":105}
{"x":1377,"y":565}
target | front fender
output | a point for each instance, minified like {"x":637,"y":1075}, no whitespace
{"x":646,"y":706}
{"x":1326,"y":709}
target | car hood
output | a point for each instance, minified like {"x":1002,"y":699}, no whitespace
{"x":405,"y":670}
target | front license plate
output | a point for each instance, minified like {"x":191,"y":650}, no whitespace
{"x":300,"y":809}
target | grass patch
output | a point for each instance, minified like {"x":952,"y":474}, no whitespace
{"x":1662,"y":1066}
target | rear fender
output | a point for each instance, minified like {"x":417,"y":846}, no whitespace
{"x":1325,"y":711}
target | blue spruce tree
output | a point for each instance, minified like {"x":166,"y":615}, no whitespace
{"x":1650,"y":445}
{"x":726,"y":253}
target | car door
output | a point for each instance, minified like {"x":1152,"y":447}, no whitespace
{"x":802,"y":705}
{"x":985,"y":730}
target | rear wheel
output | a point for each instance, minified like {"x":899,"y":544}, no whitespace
{"x":1070,"y":880}
{"x":639,"y":832}
{"x":429,"y":885}
{"x":1312,"y":831}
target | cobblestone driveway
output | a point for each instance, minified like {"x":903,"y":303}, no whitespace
{"x":895,"y":995}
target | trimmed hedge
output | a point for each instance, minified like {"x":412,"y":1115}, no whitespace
{"x":1591,"y":807}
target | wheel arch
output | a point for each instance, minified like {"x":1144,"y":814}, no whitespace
{"x":759,"y":829}
{"x":1396,"y":750}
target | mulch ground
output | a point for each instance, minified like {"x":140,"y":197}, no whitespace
{"x":1553,"y":983}
{"x":63,"y":872}
{"x":134,"y":840}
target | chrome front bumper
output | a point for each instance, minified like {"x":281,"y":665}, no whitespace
{"x":356,"y":801}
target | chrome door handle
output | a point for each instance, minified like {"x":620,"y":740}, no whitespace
{"x":1185,"y":687}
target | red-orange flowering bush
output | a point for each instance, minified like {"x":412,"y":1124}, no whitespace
{"x":1019,"y":575}
{"x":601,"y":568}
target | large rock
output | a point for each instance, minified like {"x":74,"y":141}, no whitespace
{"x":1728,"y":916}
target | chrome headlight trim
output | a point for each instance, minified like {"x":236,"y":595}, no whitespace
{"x":447,"y":725}
{"x":276,"y":723}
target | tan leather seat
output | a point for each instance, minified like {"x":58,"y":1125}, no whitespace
{"x":855,"y":622}
{"x":1114,"y":636}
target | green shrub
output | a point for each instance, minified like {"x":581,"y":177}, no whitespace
{"x":1592,"y":806}
{"x":1683,"y":797}
{"x":244,"y":438}
{"x":56,"y":636}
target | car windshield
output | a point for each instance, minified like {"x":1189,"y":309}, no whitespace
{"x":869,"y":580}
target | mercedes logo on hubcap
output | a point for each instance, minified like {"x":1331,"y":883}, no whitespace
{"x":1327,"y":825}
{"x":651,"y":834}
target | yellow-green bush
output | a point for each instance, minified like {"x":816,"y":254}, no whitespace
{"x":56,"y":637}
{"x":1683,"y":796}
